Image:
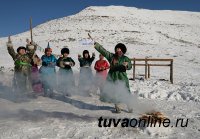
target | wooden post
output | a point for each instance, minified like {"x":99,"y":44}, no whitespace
{"x":148,"y":71}
{"x":171,"y":72}
{"x":145,"y":68}
{"x":134,"y":69}
{"x":31,"y":30}
{"x":90,"y":36}
{"x":148,"y":66}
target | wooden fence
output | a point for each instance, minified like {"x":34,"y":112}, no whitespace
{"x":147,"y":65}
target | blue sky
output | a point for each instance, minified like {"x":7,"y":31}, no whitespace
{"x":15,"y":14}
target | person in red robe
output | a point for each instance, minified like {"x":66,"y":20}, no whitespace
{"x":101,"y":67}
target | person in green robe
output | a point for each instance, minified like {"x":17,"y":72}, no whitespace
{"x":65,"y":74}
{"x":117,"y":76}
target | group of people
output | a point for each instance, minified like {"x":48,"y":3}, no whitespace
{"x":28,"y":76}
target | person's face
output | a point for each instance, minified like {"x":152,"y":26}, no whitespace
{"x":119,"y":52}
{"x":22,"y":51}
{"x":86,"y":55}
{"x":65,"y":55}
{"x":101,"y":57}
{"x":49,"y":52}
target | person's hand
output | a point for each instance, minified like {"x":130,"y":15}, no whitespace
{"x":9,"y":43}
{"x":125,"y":64}
{"x":71,"y":64}
{"x":103,"y":68}
{"x":61,"y":64}
{"x":93,"y":54}
{"x":9,"y":40}
{"x":51,"y":64}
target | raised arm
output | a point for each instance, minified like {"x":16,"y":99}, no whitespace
{"x":103,"y":51}
{"x":10,"y":48}
{"x":80,"y":59}
{"x":32,"y":49}
{"x":92,"y":58}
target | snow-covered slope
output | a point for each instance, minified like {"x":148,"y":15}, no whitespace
{"x":146,"y":33}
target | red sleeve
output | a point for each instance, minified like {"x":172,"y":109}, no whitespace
{"x":107,"y":66}
{"x":96,"y":67}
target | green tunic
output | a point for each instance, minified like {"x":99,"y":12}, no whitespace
{"x":62,"y":60}
{"x":116,"y":73}
{"x":66,"y":80}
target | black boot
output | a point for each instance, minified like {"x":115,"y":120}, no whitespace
{"x":117,"y":108}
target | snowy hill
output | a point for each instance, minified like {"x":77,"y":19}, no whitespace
{"x":146,"y":33}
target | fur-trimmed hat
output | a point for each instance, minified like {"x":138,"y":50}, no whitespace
{"x":122,"y":47}
{"x":21,"y":47}
{"x":65,"y":50}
